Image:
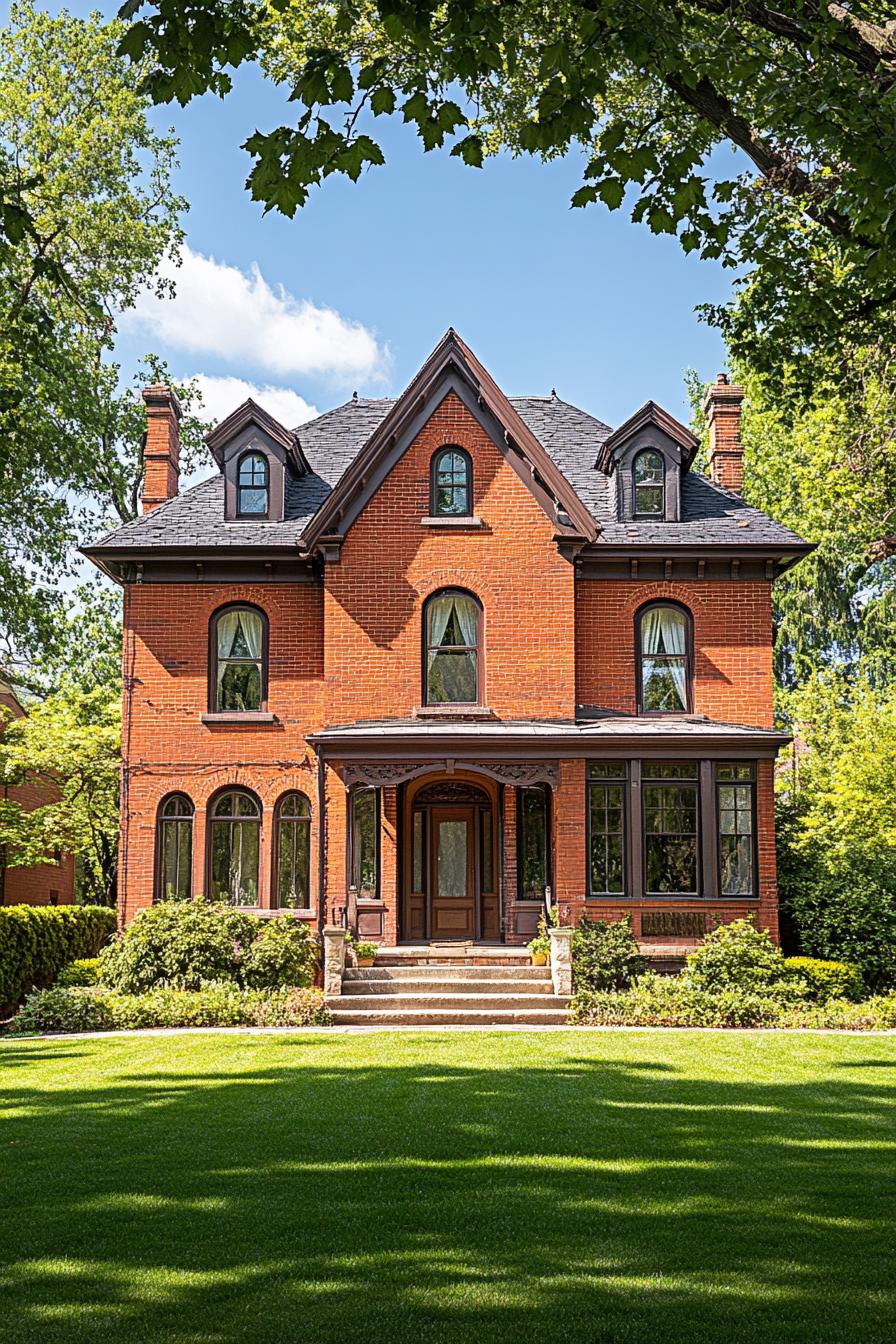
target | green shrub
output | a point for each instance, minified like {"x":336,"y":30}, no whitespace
{"x":181,"y":943}
{"x":736,"y":956}
{"x":59,"y":1009}
{"x":36,"y":941}
{"x":214,"y":1005}
{"x":79,"y":974}
{"x":675,"y":1001}
{"x":282,"y":953}
{"x":605,"y":956}
{"x":827,"y":979}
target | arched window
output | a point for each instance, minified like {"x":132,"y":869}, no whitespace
{"x":452,"y":622}
{"x":663,"y":633}
{"x":292,"y":853}
{"x":234,"y":835}
{"x":451,"y":486}
{"x":252,"y":486}
{"x":650,"y":485}
{"x":174,"y":849}
{"x":239,"y":639}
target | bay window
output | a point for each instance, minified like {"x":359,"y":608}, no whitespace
{"x":736,"y":804}
{"x":671,"y":828}
{"x":606,"y":828}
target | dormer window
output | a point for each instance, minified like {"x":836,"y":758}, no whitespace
{"x":451,"y":484}
{"x":252,"y":486}
{"x":649,"y":485}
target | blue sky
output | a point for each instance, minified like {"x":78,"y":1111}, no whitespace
{"x":356,"y":290}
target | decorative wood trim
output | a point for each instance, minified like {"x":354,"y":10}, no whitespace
{"x":378,"y":775}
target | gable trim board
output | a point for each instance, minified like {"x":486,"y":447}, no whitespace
{"x":450,"y":368}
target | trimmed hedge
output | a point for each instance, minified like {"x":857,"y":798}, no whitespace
{"x":215,"y":1005}
{"x":828,"y":979}
{"x":36,"y":941}
{"x":675,"y":1001}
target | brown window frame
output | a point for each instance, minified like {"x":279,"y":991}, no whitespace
{"x":275,"y":849}
{"x":467,"y":487}
{"x":157,"y":895}
{"x":253,"y":515}
{"x":669,"y":781}
{"x":598,"y":775}
{"x":364,"y":893}
{"x":211,"y":821}
{"x":640,"y":513}
{"x":688,"y":658}
{"x":228,"y":607}
{"x":476,"y":649}
{"x":547,"y":793}
{"x":718,"y":785}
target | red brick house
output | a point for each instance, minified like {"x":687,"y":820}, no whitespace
{"x":42,"y":883}
{"x":423,"y":662}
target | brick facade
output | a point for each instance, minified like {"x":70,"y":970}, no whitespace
{"x":45,"y":883}
{"x":345,"y":646}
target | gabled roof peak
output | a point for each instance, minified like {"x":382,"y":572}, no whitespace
{"x":250,"y":413}
{"x":649,"y":414}
{"x":452,"y":358}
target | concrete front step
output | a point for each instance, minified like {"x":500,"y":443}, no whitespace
{"x":513,"y":973}
{"x":400,"y":1003}
{"x":447,"y":984}
{"x":453,"y":954}
{"x":344,"y":1016}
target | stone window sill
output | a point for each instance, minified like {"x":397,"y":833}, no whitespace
{"x":466,"y":521}
{"x":453,"y":712}
{"x":247,"y":716}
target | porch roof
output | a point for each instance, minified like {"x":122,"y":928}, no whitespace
{"x":527,"y":739}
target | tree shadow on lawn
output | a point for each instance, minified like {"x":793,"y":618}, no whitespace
{"x":558,"y":1199}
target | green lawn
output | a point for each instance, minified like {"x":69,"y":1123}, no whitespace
{"x":650,"y":1186}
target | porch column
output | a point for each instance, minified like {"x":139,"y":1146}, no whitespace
{"x":334,"y":960}
{"x":561,"y":959}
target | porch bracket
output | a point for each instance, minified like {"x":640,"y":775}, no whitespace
{"x":377,"y":774}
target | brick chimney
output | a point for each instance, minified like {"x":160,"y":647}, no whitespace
{"x":161,"y":450}
{"x":721,"y":407}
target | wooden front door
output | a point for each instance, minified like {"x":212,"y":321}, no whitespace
{"x":452,"y":877}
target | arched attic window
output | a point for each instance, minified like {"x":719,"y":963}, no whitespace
{"x":451,"y":483}
{"x":253,"y":486}
{"x":649,"y":475}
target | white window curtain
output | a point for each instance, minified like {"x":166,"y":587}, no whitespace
{"x":466,"y":611}
{"x":239,"y":635}
{"x":664,"y":632}
{"x":438,"y":614}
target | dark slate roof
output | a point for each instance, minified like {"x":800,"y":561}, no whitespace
{"x":572,"y":437}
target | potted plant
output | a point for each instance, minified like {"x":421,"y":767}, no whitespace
{"x":540,"y":950}
{"x":365,"y":953}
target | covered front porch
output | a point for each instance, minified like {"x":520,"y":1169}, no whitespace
{"x":445,"y":834}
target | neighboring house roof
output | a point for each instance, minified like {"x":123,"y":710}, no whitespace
{"x":560,"y":442}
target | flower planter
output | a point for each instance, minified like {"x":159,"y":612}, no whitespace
{"x":539,"y":959}
{"x":364,"y":961}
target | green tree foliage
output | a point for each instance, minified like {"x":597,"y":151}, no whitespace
{"x":70,"y":743}
{"x":86,"y":215}
{"x":837,"y":831}
{"x":827,"y":469}
{"x":650,"y":93}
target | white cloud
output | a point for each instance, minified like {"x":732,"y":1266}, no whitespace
{"x":222,"y":394}
{"x":237,"y":316}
